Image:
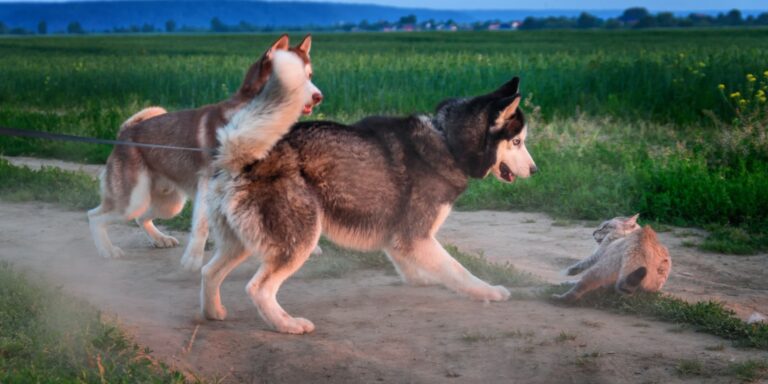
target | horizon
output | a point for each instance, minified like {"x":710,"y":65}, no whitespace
{"x":485,"y":5}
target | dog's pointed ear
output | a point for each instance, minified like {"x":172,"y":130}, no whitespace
{"x":282,"y":43}
{"x":306,"y":44}
{"x":633,"y":220}
{"x":507,"y":108}
{"x":509,"y":88}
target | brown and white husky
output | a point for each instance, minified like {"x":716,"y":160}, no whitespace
{"x":146,"y":183}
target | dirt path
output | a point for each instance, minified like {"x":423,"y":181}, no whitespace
{"x":372,"y":328}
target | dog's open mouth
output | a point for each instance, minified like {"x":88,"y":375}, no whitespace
{"x":506,"y":173}
{"x":307,"y":109}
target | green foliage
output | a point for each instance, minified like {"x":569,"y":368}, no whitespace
{"x":49,"y":184}
{"x":705,"y":316}
{"x":620,"y":125}
{"x":503,"y":274}
{"x":48,"y":337}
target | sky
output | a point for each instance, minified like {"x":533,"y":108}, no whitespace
{"x":653,"y":5}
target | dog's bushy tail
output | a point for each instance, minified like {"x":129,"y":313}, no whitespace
{"x":144,"y":114}
{"x":254,"y":130}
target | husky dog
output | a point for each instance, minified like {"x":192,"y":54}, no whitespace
{"x":143,"y":184}
{"x":382,"y":183}
{"x":628,"y":257}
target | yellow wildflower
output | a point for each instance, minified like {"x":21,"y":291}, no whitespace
{"x":742,"y":102}
{"x":735,"y":95}
{"x":751,"y":78}
{"x":721,"y":87}
{"x":762,"y":99}
{"x":765,"y":73}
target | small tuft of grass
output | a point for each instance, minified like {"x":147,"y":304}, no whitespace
{"x":592,"y":324}
{"x":690,"y":368}
{"x":563,"y":337}
{"x":476,"y":337}
{"x":704,"y":316}
{"x":588,"y":361}
{"x":717,"y":347}
{"x":561,"y":223}
{"x":749,"y":371}
{"x":734,"y":240}
{"x":689,"y":244}
{"x":504,"y":274}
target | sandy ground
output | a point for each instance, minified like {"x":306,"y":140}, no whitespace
{"x":371,"y":328}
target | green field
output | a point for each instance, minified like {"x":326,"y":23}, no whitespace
{"x":619,"y":120}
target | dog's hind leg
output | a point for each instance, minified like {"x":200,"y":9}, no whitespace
{"x":281,"y":258}
{"x":165,"y":202}
{"x":194,"y":253}
{"x":425,"y":261}
{"x":98,"y":219}
{"x":230,"y":252}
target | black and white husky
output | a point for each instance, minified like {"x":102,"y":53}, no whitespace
{"x":382,"y":183}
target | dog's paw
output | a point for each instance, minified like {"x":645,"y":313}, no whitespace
{"x":192,"y":260}
{"x":114,"y":253}
{"x":295,"y":326}
{"x":492,"y":293}
{"x":165,"y":241}
{"x":564,"y":298}
{"x":215,"y":313}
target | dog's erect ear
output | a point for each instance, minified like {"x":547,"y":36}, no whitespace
{"x":281,"y":43}
{"x":507,"y":109}
{"x":509,"y":88}
{"x":633,"y":220}
{"x":306,"y":44}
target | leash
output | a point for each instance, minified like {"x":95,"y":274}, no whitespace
{"x":58,"y":136}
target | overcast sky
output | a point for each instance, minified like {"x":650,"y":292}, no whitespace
{"x":654,"y":5}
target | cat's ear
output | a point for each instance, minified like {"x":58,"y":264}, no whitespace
{"x":633,"y":220}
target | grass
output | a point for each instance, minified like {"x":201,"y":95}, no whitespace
{"x":48,"y":337}
{"x":704,"y":316}
{"x":618,"y":121}
{"x":49,"y":184}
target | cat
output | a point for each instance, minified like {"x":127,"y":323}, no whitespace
{"x":628,"y":256}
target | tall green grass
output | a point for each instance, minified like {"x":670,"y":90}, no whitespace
{"x":621,"y":125}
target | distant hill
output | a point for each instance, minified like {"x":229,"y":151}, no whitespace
{"x":97,"y":16}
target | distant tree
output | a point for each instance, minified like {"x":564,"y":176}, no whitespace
{"x":647,"y":21}
{"x":410,"y":19}
{"x":147,"y":28}
{"x":666,"y":19}
{"x":587,"y":21}
{"x":633,"y":15}
{"x":42,"y":27}
{"x":3,"y":28}
{"x":217,"y":25}
{"x":612,"y":24}
{"x":733,"y":17}
{"x":170,"y":26}
{"x":762,"y":19}
{"x":75,"y":28}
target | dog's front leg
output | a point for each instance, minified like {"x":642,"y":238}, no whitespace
{"x":427,"y":262}
{"x":195,"y":251}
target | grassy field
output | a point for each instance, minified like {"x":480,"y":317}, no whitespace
{"x":621,"y":121}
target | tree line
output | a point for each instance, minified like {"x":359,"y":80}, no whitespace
{"x":631,"y":18}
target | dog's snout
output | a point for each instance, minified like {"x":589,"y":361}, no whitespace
{"x":534,"y":169}
{"x":317,"y":97}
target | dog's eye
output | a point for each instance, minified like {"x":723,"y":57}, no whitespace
{"x":516,"y":142}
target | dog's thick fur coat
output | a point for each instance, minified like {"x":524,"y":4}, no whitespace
{"x":145,"y":183}
{"x":381,"y":183}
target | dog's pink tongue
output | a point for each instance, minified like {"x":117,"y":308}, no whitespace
{"x":307,"y":110}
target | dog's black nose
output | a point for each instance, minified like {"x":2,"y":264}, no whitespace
{"x":317,"y":97}
{"x":534,"y":169}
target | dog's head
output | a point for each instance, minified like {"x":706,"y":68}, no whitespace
{"x":259,"y":72}
{"x":487,"y":133}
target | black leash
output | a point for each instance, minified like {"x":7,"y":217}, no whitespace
{"x":58,"y":136}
